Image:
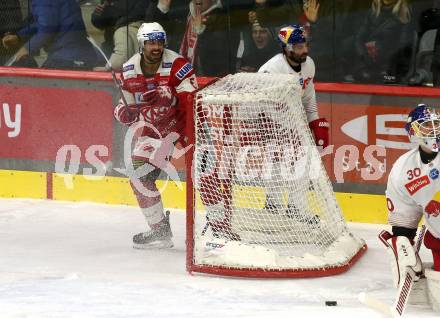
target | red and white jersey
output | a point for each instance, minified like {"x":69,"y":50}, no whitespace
{"x":411,"y":186}
{"x":279,"y":65}
{"x":175,"y":72}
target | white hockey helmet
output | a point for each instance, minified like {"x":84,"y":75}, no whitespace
{"x":423,"y":127}
{"x":150,"y":32}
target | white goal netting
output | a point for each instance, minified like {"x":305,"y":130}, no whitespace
{"x":263,"y":199}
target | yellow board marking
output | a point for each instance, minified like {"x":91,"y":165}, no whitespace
{"x":367,"y":208}
{"x":22,"y":184}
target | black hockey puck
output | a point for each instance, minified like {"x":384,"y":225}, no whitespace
{"x":331,"y":303}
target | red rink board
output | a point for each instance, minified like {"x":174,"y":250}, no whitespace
{"x":52,"y":117}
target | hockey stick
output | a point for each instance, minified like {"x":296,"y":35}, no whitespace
{"x":405,"y":286}
{"x":115,"y":80}
{"x":11,"y":60}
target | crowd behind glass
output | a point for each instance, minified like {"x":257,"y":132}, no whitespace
{"x":355,"y":41}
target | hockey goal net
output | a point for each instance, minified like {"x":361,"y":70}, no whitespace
{"x":259,"y":201}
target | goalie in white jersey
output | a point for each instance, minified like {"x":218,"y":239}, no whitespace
{"x":294,"y":60}
{"x":413,"y":191}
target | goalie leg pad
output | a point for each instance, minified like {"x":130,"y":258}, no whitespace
{"x":419,"y":293}
{"x":433,"y":279}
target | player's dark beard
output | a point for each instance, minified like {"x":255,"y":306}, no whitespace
{"x":427,"y":157}
{"x":150,"y":61}
{"x":298,"y":58}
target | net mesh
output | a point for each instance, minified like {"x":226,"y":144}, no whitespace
{"x":263,"y":197}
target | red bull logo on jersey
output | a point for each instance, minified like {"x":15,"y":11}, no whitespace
{"x":304,"y":82}
{"x":433,"y":208}
{"x":417,"y":184}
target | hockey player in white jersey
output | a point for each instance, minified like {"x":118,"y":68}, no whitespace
{"x":413,"y":191}
{"x":294,"y":60}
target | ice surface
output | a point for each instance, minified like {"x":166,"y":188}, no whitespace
{"x":63,"y":259}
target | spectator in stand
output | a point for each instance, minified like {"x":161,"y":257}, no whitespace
{"x":172,"y":15}
{"x":276,"y":13}
{"x":257,"y":50}
{"x":212,"y":35}
{"x":383,"y":42}
{"x":206,"y":32}
{"x":332,"y":43}
{"x":58,"y":27}
{"x":120,"y":20}
{"x":427,"y":65}
{"x":11,"y":20}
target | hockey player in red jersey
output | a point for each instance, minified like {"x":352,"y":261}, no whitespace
{"x":413,"y":191}
{"x":155,"y":84}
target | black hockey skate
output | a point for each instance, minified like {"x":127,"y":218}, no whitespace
{"x":158,"y":237}
{"x":222,"y":230}
{"x":272,"y":208}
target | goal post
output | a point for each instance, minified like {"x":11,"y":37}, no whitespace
{"x":259,"y":201}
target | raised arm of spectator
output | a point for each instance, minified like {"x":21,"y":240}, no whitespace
{"x":311,"y":9}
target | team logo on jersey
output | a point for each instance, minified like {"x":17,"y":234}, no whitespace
{"x":434,"y":173}
{"x":151,"y":86}
{"x":167,"y":64}
{"x":417,"y":184}
{"x":128,"y":67}
{"x":184,"y":70}
{"x":433,"y":208}
{"x":304,"y":82}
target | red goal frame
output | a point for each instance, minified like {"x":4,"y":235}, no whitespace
{"x":191,"y":267}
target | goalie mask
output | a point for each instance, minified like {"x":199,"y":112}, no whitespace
{"x":151,"y":32}
{"x":423,"y":127}
{"x":291,"y":35}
